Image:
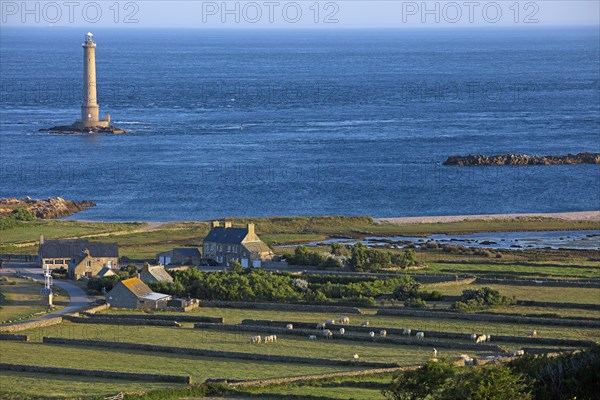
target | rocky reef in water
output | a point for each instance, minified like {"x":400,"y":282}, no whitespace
{"x":523,"y":159}
{"x":71,"y":129}
{"x":44,"y":209}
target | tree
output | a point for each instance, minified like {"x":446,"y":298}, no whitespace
{"x":406,"y":289}
{"x":236,"y":267}
{"x":440,"y":380}
{"x":409,"y":258}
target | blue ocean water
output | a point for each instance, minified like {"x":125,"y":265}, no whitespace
{"x":260,"y":123}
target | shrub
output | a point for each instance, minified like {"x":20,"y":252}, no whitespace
{"x":22,"y":214}
{"x":434,"y":295}
{"x":406,"y":289}
{"x":415,"y":303}
{"x":475,"y":299}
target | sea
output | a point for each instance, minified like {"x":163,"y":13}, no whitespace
{"x":253,"y":123}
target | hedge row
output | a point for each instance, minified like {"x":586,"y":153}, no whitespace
{"x":162,"y":316}
{"x":488,"y":317}
{"x":10,"y":336}
{"x":218,"y":354}
{"x":349,"y":336}
{"x":97,"y":373}
{"x":280,"y":306}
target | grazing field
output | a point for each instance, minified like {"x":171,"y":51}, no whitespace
{"x":550,"y":294}
{"x":21,"y":298}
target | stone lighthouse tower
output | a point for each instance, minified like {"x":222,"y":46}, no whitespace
{"x":90,"y":111}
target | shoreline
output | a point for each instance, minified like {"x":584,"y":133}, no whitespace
{"x":587,"y":216}
{"x":574,"y":216}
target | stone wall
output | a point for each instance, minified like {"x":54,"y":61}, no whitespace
{"x":488,"y":317}
{"x":281,"y":306}
{"x":309,"y":378}
{"x":529,"y":282}
{"x":581,"y":306}
{"x":10,"y":336}
{"x":349,"y":336}
{"x":97,"y":309}
{"x":23,"y":326}
{"x":218,"y":354}
{"x":97,"y":373}
{"x":121,"y":321}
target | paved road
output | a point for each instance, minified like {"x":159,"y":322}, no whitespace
{"x":77,"y":297}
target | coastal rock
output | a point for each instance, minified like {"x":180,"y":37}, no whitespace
{"x":44,"y":209}
{"x":523,"y":159}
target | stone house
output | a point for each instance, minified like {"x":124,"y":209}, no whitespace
{"x":180,"y":256}
{"x":133,"y":293}
{"x":80,"y":257}
{"x":155,"y":273}
{"x":225,"y":244}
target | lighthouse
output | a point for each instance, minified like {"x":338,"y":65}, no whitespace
{"x":90,"y":111}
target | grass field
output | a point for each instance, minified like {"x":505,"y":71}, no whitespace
{"x":275,"y":230}
{"x":23,"y":299}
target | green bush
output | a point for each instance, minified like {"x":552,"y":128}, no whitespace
{"x":477,"y":299}
{"x":406,"y":289}
{"x":107,"y":282}
{"x":440,"y":380}
{"x":434,"y":295}
{"x":415,"y":303}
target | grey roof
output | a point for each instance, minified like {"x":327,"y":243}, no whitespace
{"x":187,"y":251}
{"x":226,"y":235}
{"x":75,"y":248}
{"x":105,"y":271}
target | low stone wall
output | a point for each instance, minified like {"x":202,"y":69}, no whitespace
{"x":162,"y":316}
{"x":309,"y":378}
{"x":455,"y":282}
{"x":529,"y":282}
{"x":120,"y":321}
{"x":488,"y":317}
{"x":23,"y":326}
{"x":10,"y":336}
{"x":409,"y":341}
{"x":97,"y":309}
{"x":435,"y":334}
{"x":580,"y":306}
{"x":98,"y":373}
{"x":281,"y":306}
{"x":218,"y":354}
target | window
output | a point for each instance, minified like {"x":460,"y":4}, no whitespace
{"x":110,"y":264}
{"x":89,"y":263}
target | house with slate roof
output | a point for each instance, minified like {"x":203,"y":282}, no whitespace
{"x":155,"y":273}
{"x":225,"y":244}
{"x":80,"y":257}
{"x":180,"y":256}
{"x":133,"y":293}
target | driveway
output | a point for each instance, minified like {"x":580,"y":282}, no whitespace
{"x":77,"y":296}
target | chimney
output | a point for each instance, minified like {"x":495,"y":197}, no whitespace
{"x":146,"y":267}
{"x":250,"y":229}
{"x":214,"y":224}
{"x":41,"y":239}
{"x":227,"y":225}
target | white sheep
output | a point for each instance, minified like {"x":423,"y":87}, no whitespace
{"x":473,"y":337}
{"x":355,"y":356}
{"x":371,"y":334}
{"x":321,"y":325}
{"x":383,"y":333}
{"x":532,"y":333}
{"x":434,"y":353}
{"x":467,"y":360}
{"x":343,"y":320}
{"x":330,"y":322}
{"x":420,"y":335}
{"x":480,"y":339}
{"x":312,"y":337}
{"x":342,"y":331}
{"x":406,"y":332}
{"x":488,"y":338}
{"x":328,"y":334}
{"x":255,"y":339}
{"x":364,"y":323}
{"x":289,"y":326}
{"x":518,"y":353}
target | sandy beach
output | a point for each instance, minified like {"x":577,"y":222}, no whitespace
{"x":568,"y":216}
